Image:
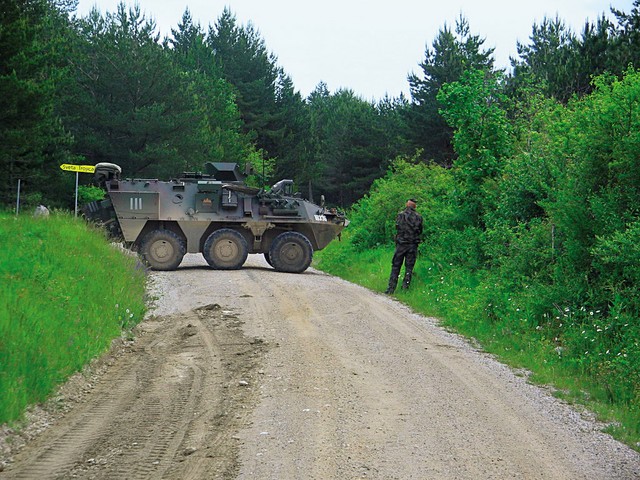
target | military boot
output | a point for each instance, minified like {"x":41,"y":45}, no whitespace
{"x":393,"y":282}
{"x":406,"y":282}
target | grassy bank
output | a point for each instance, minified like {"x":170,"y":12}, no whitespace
{"x":66,"y":293}
{"x":504,"y":320}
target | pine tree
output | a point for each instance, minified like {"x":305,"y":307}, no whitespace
{"x":32,"y":141}
{"x":349,"y":145}
{"x":452,"y":53}
{"x":626,"y":48}
{"x":220,"y":126}
{"x":130,"y":105}
{"x":251,"y":69}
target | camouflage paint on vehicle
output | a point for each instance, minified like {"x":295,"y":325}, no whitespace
{"x":215,"y":214}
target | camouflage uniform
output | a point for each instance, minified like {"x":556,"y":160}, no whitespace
{"x":408,"y":237}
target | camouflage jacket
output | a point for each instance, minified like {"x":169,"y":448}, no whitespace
{"x":408,"y":227}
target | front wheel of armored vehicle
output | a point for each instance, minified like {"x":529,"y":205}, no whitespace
{"x":162,"y":249}
{"x":225,"y":249}
{"x":291,"y":252}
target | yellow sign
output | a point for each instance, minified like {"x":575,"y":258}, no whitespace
{"x":78,"y":168}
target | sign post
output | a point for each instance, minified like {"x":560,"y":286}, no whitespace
{"x":18,"y":200}
{"x":78,"y":169}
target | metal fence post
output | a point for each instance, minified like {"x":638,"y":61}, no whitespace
{"x":18,"y":200}
{"x":76,"y":207}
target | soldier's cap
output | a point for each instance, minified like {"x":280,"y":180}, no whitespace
{"x":413,"y":200}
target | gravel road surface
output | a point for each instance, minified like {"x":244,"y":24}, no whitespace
{"x":255,"y":374}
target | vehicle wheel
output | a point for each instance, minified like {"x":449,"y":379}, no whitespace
{"x":162,"y":249}
{"x":267,"y":258}
{"x":291,"y":252}
{"x":225,"y":249}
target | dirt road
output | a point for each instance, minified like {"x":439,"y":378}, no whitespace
{"x":266,"y":375}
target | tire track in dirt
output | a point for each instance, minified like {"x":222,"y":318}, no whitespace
{"x":310,"y":377}
{"x":312,"y":397}
{"x":169,"y":408}
{"x":57,"y":453}
{"x":385,"y":393}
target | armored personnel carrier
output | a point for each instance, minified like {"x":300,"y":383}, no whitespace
{"x":214,"y":213}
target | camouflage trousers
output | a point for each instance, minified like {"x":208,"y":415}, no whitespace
{"x":407,"y":254}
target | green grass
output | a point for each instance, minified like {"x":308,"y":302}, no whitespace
{"x":568,"y":349}
{"x":66,"y":293}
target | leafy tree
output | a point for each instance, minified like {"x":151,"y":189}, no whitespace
{"x":452,"y":53}
{"x":529,"y":175}
{"x":373,"y":216}
{"x":475,"y":108}
{"x":602,"y":183}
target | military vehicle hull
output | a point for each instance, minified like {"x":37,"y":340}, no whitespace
{"x":223,"y":220}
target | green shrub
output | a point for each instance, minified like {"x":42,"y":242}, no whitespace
{"x":89,"y":193}
{"x":617,"y":263}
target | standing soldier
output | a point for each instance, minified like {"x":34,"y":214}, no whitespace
{"x":408,"y":237}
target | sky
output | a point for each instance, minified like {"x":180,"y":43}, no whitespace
{"x":369,"y":46}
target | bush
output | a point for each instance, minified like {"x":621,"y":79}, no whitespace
{"x":89,"y":193}
{"x":374,"y":215}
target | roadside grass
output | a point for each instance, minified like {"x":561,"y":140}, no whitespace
{"x":66,"y":294}
{"x":504,"y":320}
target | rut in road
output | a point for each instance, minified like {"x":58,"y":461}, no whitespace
{"x":308,"y":377}
{"x":361,"y":387}
{"x":168,"y":408}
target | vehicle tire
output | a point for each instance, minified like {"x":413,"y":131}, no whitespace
{"x":267,"y":258}
{"x":162,"y":249}
{"x":291,"y":252}
{"x":225,"y":249}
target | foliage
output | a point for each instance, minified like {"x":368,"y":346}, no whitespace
{"x":32,"y":140}
{"x":66,"y":294}
{"x":625,"y":44}
{"x":474,"y":107}
{"x":431,"y":186}
{"x":453,"y":53}
{"x":348,"y":142}
{"x":130,"y":104}
{"x":553,"y":58}
{"x":561,"y":64}
{"x":89,"y":193}
{"x":261,"y":170}
{"x":220,"y":137}
{"x":245,"y":63}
